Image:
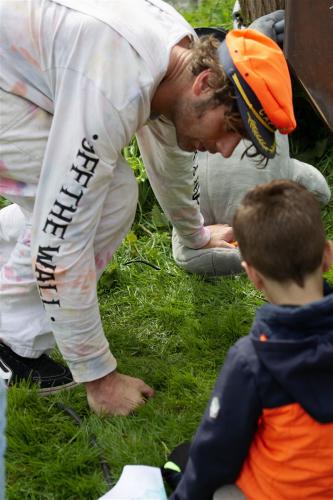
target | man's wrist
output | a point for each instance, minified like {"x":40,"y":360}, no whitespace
{"x":95,"y":384}
{"x":88,"y":370}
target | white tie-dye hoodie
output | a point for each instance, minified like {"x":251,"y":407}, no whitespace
{"x":95,"y":66}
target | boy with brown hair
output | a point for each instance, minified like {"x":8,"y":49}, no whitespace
{"x":268,"y":428}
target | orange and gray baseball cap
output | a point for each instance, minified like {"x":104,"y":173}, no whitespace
{"x":259,"y":72}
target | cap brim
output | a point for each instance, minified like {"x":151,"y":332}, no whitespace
{"x":262,"y":138}
{"x":258,"y":130}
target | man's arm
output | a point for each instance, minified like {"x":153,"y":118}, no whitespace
{"x":174,"y":179}
{"x":223,"y":439}
{"x":73,"y":185}
{"x":75,"y":181}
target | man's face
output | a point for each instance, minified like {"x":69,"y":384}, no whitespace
{"x":204,"y":129}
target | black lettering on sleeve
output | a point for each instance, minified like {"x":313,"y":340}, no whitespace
{"x":76,"y":197}
{"x":82,"y":177}
{"x":58,"y":210}
{"x":56,"y":229}
{"x":44,"y":256}
{"x":89,"y":163}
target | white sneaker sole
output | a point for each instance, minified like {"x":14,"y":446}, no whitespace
{"x":53,"y":390}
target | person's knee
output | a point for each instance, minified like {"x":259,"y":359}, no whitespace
{"x":209,"y":261}
{"x":229,"y":492}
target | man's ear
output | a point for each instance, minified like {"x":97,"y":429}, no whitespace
{"x":327,"y":256}
{"x":253,"y":275}
{"x":201,"y":83}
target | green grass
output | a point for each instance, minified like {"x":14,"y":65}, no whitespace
{"x":168,"y":327}
{"x":211,"y":13}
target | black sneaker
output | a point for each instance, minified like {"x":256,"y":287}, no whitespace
{"x":46,"y":373}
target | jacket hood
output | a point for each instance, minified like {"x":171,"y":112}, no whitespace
{"x":295,"y":344}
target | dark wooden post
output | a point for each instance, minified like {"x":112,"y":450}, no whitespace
{"x":252,"y":9}
{"x":308,"y":49}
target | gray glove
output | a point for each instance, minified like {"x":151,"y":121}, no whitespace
{"x":271,"y":25}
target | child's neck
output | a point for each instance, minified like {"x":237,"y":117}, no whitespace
{"x":291,"y":293}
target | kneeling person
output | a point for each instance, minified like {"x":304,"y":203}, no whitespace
{"x":223,"y":184}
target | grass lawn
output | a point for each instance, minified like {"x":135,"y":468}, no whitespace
{"x":168,"y":327}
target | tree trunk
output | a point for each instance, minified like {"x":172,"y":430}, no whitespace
{"x":252,"y":9}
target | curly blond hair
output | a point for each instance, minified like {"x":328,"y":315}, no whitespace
{"x":204,"y":56}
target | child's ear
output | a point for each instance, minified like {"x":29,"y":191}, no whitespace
{"x":201,"y":83}
{"x":327,"y":256}
{"x":253,"y":275}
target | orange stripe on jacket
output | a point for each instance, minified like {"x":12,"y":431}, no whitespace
{"x":291,"y":457}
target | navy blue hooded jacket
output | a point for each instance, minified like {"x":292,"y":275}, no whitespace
{"x":269,"y":424}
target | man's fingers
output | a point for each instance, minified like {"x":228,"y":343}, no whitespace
{"x":147,"y":391}
{"x":226,"y":244}
{"x":117,"y":394}
{"x":229,"y":236}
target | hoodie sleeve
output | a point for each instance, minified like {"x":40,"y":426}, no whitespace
{"x":224,"y":436}
{"x":73,"y":186}
{"x":77,"y":176}
{"x":94,"y":115}
{"x":173,"y":177}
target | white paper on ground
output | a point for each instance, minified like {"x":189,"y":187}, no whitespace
{"x":138,"y":482}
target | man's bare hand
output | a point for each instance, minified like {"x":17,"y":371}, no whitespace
{"x":117,"y":394}
{"x":221,"y":235}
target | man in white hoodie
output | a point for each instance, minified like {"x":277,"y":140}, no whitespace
{"x":77,"y":81}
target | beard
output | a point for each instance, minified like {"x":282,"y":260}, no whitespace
{"x":181,"y":119}
{"x":185,"y":120}
{"x":185,"y":144}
